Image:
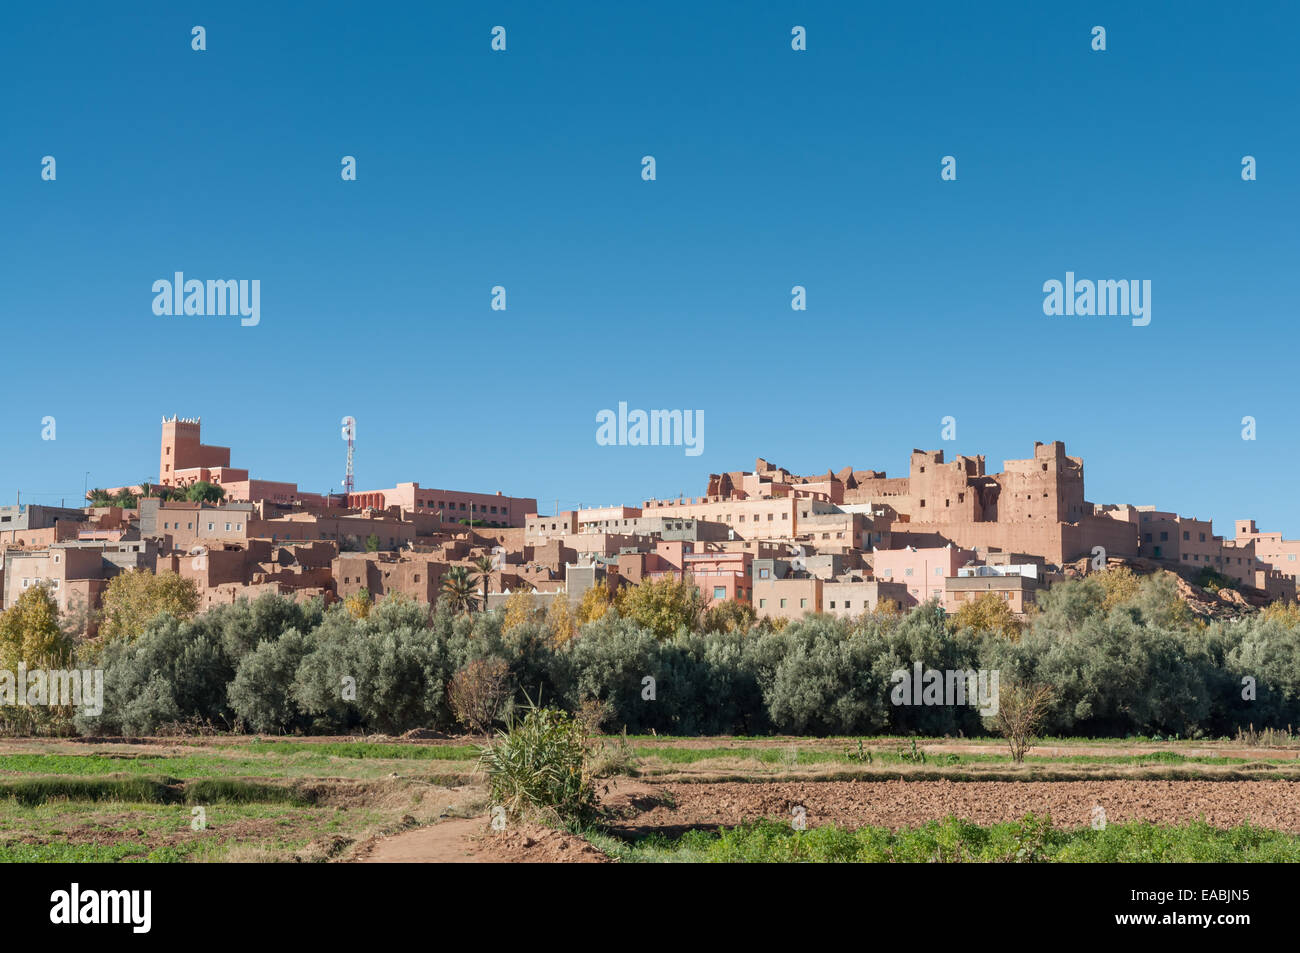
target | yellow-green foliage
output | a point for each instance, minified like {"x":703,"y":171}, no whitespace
{"x":30,"y":633}
{"x":595,"y":603}
{"x":661,"y":605}
{"x":133,"y":598}
{"x":1120,"y":585}
{"x":519,"y":609}
{"x":988,"y":613}
{"x":559,"y":619}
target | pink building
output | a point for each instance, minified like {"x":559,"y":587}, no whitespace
{"x":922,"y":571}
{"x":1283,"y":555}
{"x":450,"y":506}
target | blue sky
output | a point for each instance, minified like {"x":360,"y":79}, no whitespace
{"x":775,"y":168}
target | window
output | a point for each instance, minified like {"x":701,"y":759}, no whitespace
{"x":1187,"y":535}
{"x":938,"y":570}
{"x":209,"y":527}
{"x":719,"y":592}
{"x":764,"y":573}
{"x":803,"y":603}
{"x":832,"y":603}
{"x":907,"y":571}
{"x":762,"y":603}
{"x":1163,"y":537}
{"x":782,"y":603}
{"x":847,"y":604}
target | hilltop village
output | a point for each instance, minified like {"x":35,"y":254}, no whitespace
{"x":786,"y":544}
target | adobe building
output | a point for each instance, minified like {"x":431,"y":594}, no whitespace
{"x":449,"y":506}
{"x":75,"y":573}
{"x":1282,"y":555}
{"x":1034,"y":506}
{"x":1191,"y":544}
{"x":1017,"y":585}
{"x":28,"y":524}
{"x":848,"y":599}
{"x":185,"y":460}
{"x":921,"y":571}
{"x":383,"y":574}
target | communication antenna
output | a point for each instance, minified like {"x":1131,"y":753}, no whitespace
{"x":349,"y":434}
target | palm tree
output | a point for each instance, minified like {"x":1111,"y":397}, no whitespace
{"x":100,"y":497}
{"x":458,"y":586}
{"x":485,"y":565}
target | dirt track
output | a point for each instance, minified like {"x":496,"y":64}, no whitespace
{"x":461,"y":841}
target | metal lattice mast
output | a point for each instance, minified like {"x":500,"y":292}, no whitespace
{"x":350,"y":429}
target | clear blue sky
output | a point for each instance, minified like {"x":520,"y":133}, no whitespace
{"x":775,"y":168}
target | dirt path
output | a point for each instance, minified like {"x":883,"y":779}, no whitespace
{"x":470,"y":841}
{"x":447,"y":842}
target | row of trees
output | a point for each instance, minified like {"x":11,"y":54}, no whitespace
{"x":1114,"y":654}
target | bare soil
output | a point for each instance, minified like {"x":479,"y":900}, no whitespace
{"x":673,"y":807}
{"x":637,"y":807}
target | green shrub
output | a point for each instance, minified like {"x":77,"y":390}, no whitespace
{"x":538,"y":767}
{"x":261,"y":693}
